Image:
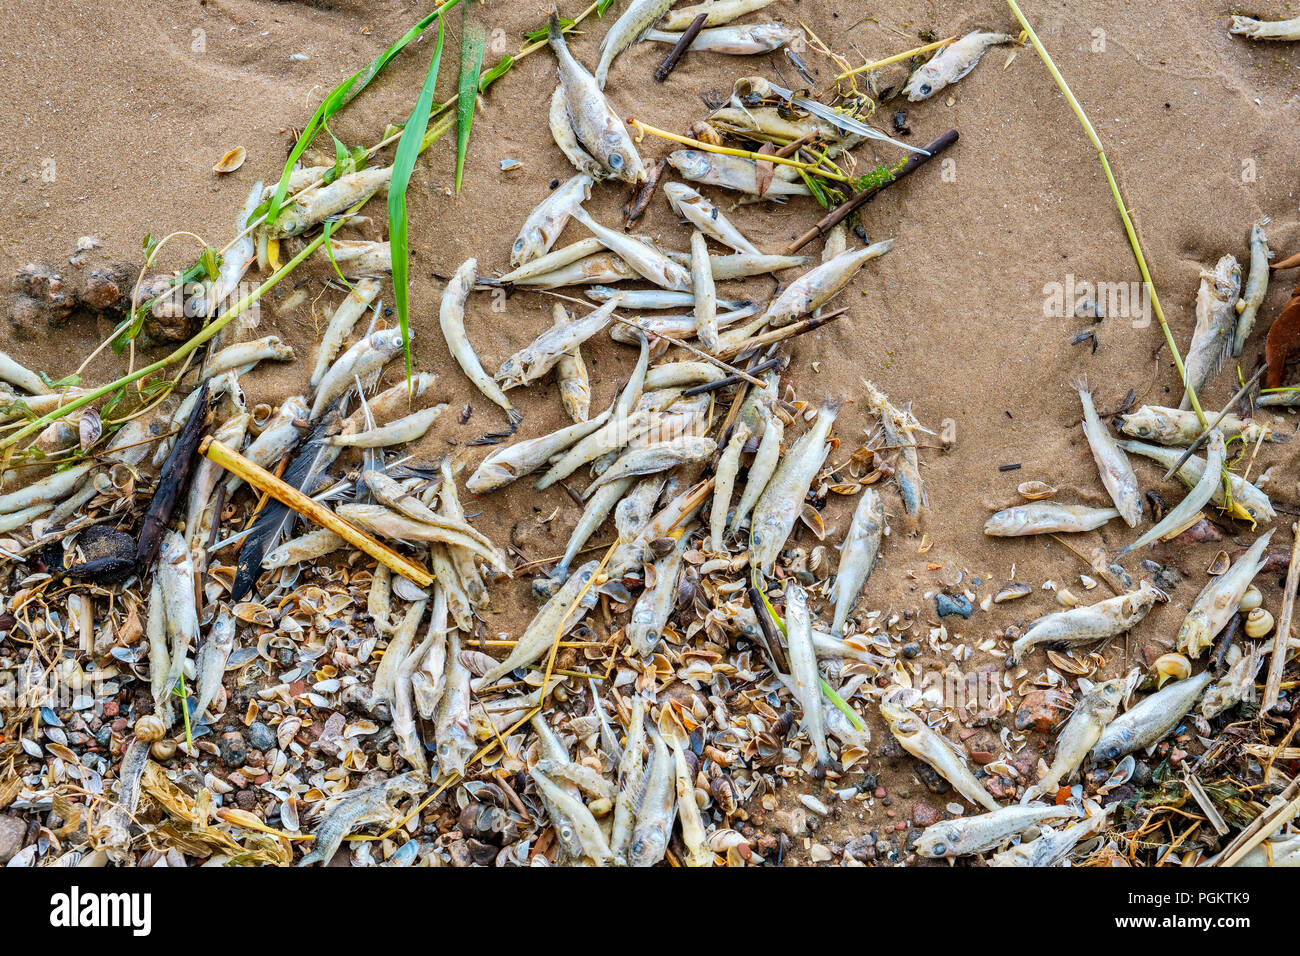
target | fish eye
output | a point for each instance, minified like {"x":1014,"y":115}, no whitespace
{"x":925,"y":89}
{"x":615,"y":161}
{"x":939,"y":850}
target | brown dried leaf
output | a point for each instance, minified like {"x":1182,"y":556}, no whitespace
{"x":1283,"y":341}
{"x":764,"y":172}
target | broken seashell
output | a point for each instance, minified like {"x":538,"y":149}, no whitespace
{"x":231,"y":161}
{"x":1035,"y":490}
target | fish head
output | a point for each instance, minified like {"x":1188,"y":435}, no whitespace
{"x":691,"y":163}
{"x":1115,"y":742}
{"x":649,"y":844}
{"x":939,"y":841}
{"x":922,"y":83}
{"x":902,"y":721}
{"x":388,"y":341}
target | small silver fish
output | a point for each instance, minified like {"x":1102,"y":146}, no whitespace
{"x":1116,"y":471}
{"x":1047,"y":517}
{"x":749,"y":40}
{"x":598,"y":127}
{"x":1083,"y":625}
{"x":1252,"y":296}
{"x":639,"y":16}
{"x":1147,"y":723}
{"x":451,"y":317}
{"x":706,"y":217}
{"x":545,"y":223}
{"x":858,"y":554}
{"x":951,"y":64}
{"x":1216,"y":322}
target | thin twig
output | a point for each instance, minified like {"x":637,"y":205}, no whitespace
{"x":683,"y":42}
{"x":1283,"y":632}
{"x":845,"y":209}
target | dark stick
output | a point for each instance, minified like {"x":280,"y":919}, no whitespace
{"x":685,"y":40}
{"x":913,"y":162}
{"x":172,"y":482}
{"x":727,"y":380}
{"x":640,"y":200}
{"x":769,"y":635}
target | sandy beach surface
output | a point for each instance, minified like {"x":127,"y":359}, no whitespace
{"x":117,"y":112}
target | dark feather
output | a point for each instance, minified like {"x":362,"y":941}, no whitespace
{"x":172,"y":481}
{"x":315,"y":454}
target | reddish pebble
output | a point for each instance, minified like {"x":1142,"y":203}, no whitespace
{"x":880,"y":793}
{"x":110,"y":708}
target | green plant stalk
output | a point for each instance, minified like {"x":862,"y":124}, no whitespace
{"x":342,"y":95}
{"x":839,"y":702}
{"x":186,"y":349}
{"x":1129,"y":228}
{"x":1119,"y":202}
{"x":408,"y":150}
{"x":181,"y":692}
{"x":471,"y":61}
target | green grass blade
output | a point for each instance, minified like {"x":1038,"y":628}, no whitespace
{"x":408,"y":150}
{"x":343,"y":94}
{"x":473,"y":40}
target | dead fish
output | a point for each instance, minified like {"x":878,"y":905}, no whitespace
{"x":523,"y":457}
{"x":306,"y":547}
{"x":749,"y":40}
{"x":571,"y":375}
{"x":655,"y":457}
{"x":1191,"y":471}
{"x":951,"y":64}
{"x":565,"y":138}
{"x":22,"y":376}
{"x":563,"y":610}
{"x":341,"y":324}
{"x":404,"y":430}
{"x":1185,"y":511}
{"x":804,"y":676}
{"x":900,"y":428}
{"x":637,"y":299}
{"x":541,"y":355}
{"x":967,"y":836}
{"x":923,"y":743}
{"x":318,"y":205}
{"x":706,"y":217}
{"x":1094,"y":711}
{"x":1218,"y":600}
{"x":279,"y":437}
{"x":555,"y":259}
{"x":1256,"y":288}
{"x":453,"y":742}
{"x":1085,"y":625}
{"x":655,"y":606}
{"x":678,"y":327}
{"x":1147,"y":722}
{"x":545,"y":223}
{"x":242,"y":356}
{"x":210,"y":665}
{"x":717,"y":12}
{"x":655,"y":812}
{"x":594,"y":269}
{"x":585,"y":827}
{"x":639,"y":17}
{"x":363,"y":362}
{"x":451,"y":317}
{"x":1116,"y":471}
{"x":600,"y":130}
{"x":1047,"y":517}
{"x":641,"y":256}
{"x":1216,"y":322}
{"x":1052,"y":846}
{"x":1236,"y":684}
{"x":858,"y":554}
{"x":731,"y":172}
{"x":727,"y":469}
{"x":815,"y":287}
{"x":359,"y":257}
{"x":706,"y":300}
{"x":1177,"y":426}
{"x":779,"y":505}
{"x":762,"y":467}
{"x":357,"y":808}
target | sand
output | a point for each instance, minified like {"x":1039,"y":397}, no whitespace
{"x":117,"y":112}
